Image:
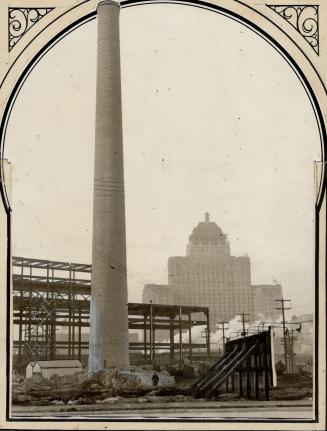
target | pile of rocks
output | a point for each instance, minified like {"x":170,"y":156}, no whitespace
{"x":81,"y":388}
{"x":137,"y":378}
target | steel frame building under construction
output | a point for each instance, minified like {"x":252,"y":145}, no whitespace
{"x":51,"y":296}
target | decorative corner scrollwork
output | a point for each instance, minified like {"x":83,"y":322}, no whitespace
{"x":304,"y":18}
{"x":20,"y":20}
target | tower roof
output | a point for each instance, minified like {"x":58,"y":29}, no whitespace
{"x":207,"y":232}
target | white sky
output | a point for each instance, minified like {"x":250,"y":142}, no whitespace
{"x":214,"y":120}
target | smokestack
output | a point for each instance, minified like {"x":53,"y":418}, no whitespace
{"x":109,"y":314}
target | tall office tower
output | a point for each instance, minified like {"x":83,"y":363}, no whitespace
{"x":209,"y":276}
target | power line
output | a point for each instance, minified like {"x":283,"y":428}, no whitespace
{"x":171,"y":295}
{"x":178,"y":297}
{"x":305,"y":321}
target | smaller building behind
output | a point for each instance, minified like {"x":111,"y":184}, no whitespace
{"x":50,"y":368}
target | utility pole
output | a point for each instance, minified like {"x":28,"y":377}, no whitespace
{"x":292,"y":361}
{"x":292,"y":339}
{"x":283,"y":308}
{"x":244,"y":321}
{"x":223,"y":327}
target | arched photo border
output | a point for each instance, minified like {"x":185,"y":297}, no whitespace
{"x":320,"y":200}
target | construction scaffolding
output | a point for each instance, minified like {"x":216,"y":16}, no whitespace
{"x":51,"y":306}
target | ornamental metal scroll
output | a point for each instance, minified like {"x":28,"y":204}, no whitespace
{"x":304,"y":18}
{"x":21,"y":20}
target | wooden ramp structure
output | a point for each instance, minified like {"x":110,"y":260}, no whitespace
{"x":245,"y":369}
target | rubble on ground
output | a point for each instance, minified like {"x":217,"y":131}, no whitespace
{"x":106,"y":386}
{"x":57,"y":402}
{"x":134,"y":384}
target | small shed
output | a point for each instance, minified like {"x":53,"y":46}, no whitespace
{"x":49,"y":368}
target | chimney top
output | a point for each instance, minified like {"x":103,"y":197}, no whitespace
{"x":207,"y":217}
{"x":109,"y":2}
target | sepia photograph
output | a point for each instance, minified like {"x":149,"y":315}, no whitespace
{"x":163,"y":215}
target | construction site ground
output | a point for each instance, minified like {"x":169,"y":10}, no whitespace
{"x":292,"y":398}
{"x":132,"y":408}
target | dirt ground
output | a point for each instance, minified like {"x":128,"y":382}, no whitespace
{"x":290,"y":388}
{"x":293,"y":387}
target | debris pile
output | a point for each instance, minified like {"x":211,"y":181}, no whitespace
{"x":80,"y":388}
{"x":140,"y":378}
